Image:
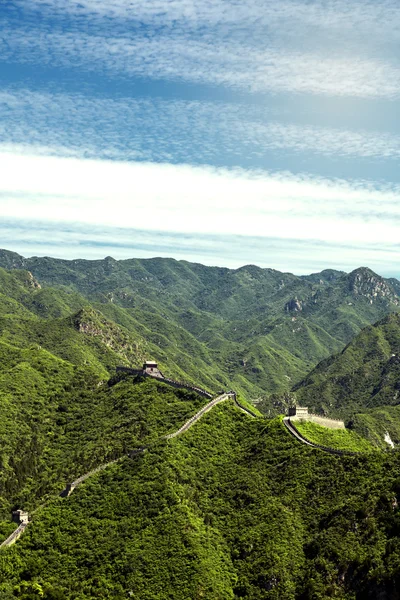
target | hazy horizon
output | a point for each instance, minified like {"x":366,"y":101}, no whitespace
{"x":100,"y":257}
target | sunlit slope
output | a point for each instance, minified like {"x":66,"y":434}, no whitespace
{"x":49,"y":318}
{"x":235,"y":508}
{"x":366,"y":374}
{"x":227,"y":325}
{"x":56,"y":422}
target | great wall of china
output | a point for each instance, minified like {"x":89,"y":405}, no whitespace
{"x":15,"y":535}
{"x":292,"y":429}
{"x":155,"y":373}
{"x":151,"y":370}
{"x":300,"y":413}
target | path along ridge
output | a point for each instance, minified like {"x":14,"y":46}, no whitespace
{"x":294,"y":431}
{"x":15,"y":535}
{"x":187,"y":425}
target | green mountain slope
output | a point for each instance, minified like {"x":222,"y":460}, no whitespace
{"x":67,"y":325}
{"x":56,"y":422}
{"x":233,"y":509}
{"x":257,"y":330}
{"x":365,"y":375}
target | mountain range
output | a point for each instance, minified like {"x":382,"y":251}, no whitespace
{"x":235,"y":508}
{"x":257,"y":330}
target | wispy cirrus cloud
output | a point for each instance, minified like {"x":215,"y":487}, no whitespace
{"x":171,"y":130}
{"x":279,"y":19}
{"x":99,"y":160}
{"x":212,"y":58}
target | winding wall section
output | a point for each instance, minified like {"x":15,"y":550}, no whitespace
{"x":167,"y":380}
{"x":189,"y":423}
{"x":71,"y":486}
{"x":15,"y":535}
{"x":198,"y":415}
{"x":294,"y":431}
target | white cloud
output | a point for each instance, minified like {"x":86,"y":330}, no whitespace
{"x":70,"y":240}
{"x":202,"y":200}
{"x":358,"y":17}
{"x":158,"y":130}
{"x":210,"y":59}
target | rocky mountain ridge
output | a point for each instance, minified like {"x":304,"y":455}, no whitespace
{"x":259,"y":329}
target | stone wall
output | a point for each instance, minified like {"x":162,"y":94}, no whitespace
{"x":22,"y":516}
{"x":298,"y":411}
{"x":243,"y":408}
{"x":324,"y":421}
{"x":14,"y":536}
{"x":288,"y":423}
{"x":167,"y":380}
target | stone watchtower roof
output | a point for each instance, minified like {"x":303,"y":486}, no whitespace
{"x":151,"y":368}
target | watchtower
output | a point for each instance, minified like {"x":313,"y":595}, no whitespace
{"x":151,"y":368}
{"x":20,"y":516}
{"x":300,"y":412}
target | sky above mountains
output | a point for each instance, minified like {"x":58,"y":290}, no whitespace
{"x":223,"y":132}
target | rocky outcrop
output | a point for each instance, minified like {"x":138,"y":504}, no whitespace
{"x":92,"y":323}
{"x":294,"y":305}
{"x":365,"y":283}
{"x":32,"y":282}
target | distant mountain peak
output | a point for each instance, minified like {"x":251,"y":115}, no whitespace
{"x":326,"y":276}
{"x":11,"y":260}
{"x":364,"y":282}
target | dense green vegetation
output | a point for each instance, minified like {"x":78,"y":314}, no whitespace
{"x":235,"y":508}
{"x":366,"y":374}
{"x":68,"y":326}
{"x":340,"y":439}
{"x":257,"y":330}
{"x":56,"y":423}
{"x":379,"y":425}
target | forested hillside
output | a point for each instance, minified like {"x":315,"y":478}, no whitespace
{"x":366,"y":374}
{"x":73,"y":329}
{"x":361,"y":383}
{"x":57,"y":423}
{"x":235,"y":508}
{"x":255,"y":329}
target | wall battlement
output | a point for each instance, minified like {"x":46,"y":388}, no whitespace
{"x":14,"y":536}
{"x":156,"y":374}
{"x":290,"y":426}
{"x":300,"y":413}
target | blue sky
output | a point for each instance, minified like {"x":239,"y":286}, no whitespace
{"x":225,"y":132}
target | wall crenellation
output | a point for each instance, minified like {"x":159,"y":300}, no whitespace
{"x":300,"y":413}
{"x":150,"y":369}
